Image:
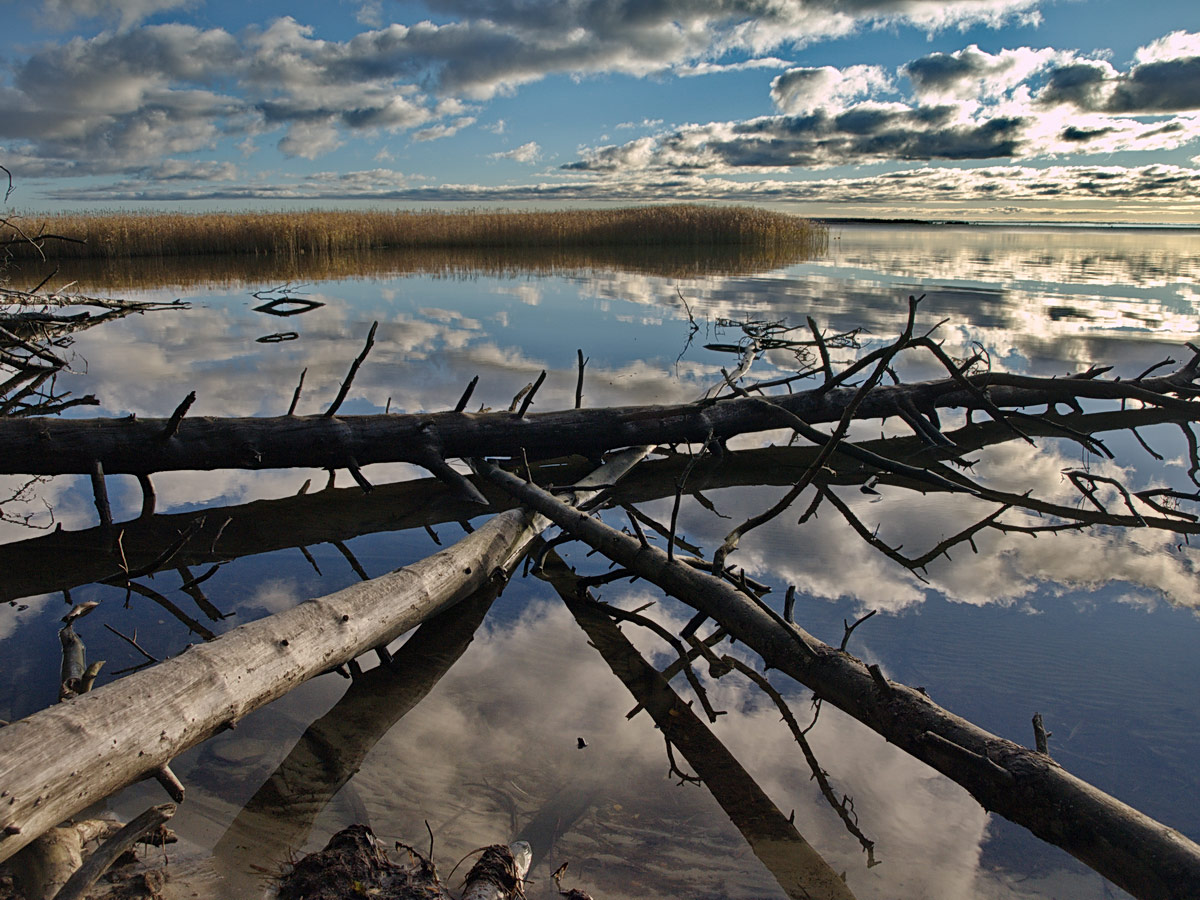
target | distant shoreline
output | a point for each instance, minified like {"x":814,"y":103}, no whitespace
{"x":835,"y":221}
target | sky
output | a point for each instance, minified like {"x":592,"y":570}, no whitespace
{"x":1008,"y":110}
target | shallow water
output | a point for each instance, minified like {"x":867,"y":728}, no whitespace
{"x":1094,"y":629}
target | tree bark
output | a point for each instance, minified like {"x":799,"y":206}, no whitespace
{"x":65,"y":559}
{"x":801,"y":871}
{"x":43,"y":446}
{"x":278,"y":818}
{"x":58,"y":761}
{"x":1142,"y":856}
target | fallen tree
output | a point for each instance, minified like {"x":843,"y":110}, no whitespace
{"x":61,"y":559}
{"x":800,"y":870}
{"x":1142,"y":856}
{"x":137,"y":446}
{"x":58,"y":761}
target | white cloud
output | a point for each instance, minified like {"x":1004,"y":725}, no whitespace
{"x":310,"y":139}
{"x":121,"y":102}
{"x":645,"y":123}
{"x":711,"y":68}
{"x":1176,"y":45}
{"x":370,"y":13}
{"x":967,"y":105}
{"x":443,"y":130}
{"x":1141,"y":190}
{"x":1165,"y":78}
{"x":971,"y":73}
{"x":800,"y":92}
{"x":118,"y":99}
{"x":527,"y":153}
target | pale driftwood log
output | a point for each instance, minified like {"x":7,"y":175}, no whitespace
{"x":58,"y":761}
{"x":107,"y":853}
{"x":48,"y":863}
{"x":279,"y":817}
{"x":1142,"y":856}
{"x":500,"y":873}
{"x":141,"y":446}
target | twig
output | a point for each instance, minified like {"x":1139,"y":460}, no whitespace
{"x":132,"y":641}
{"x":674,"y":769}
{"x":100,"y":493}
{"x":850,"y":628}
{"x":345,"y":388}
{"x":579,"y":383}
{"x":844,"y":807}
{"x":676,"y":665}
{"x":826,"y":366}
{"x":789,"y":605}
{"x":683,"y":477}
{"x":170,"y":607}
{"x":1040,"y":734}
{"x":676,"y":645}
{"x":181,"y":410}
{"x":466,"y":395}
{"x":516,"y":400}
{"x":148,"y":498}
{"x":352,"y":559}
{"x":296,"y":393}
{"x":529,"y":396}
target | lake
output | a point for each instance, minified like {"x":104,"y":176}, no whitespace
{"x":481,"y":739}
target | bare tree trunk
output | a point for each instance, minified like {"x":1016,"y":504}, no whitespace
{"x":1142,"y":856}
{"x":141,"y":446}
{"x":65,"y":559}
{"x":800,"y":870}
{"x":58,"y":761}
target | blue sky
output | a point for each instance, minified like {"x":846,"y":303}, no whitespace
{"x":978,"y":109}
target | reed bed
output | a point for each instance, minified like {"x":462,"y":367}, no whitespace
{"x":115,"y":275}
{"x":325,"y":233}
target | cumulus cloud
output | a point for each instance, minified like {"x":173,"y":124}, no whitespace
{"x":120,"y":98}
{"x":124,"y":101}
{"x":310,"y":139}
{"x":527,"y":153}
{"x":972,"y":73}
{"x":1165,"y":78}
{"x":866,"y":132}
{"x":800,"y":92}
{"x":968,"y":105}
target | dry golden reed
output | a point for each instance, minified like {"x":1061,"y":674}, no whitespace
{"x":327,"y":232}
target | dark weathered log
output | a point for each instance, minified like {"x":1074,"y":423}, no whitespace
{"x":135,"y":446}
{"x":1144,"y":857}
{"x":58,"y":761}
{"x":800,"y":870}
{"x":60,"y":560}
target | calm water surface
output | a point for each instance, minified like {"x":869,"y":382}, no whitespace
{"x":1096,"y":630}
